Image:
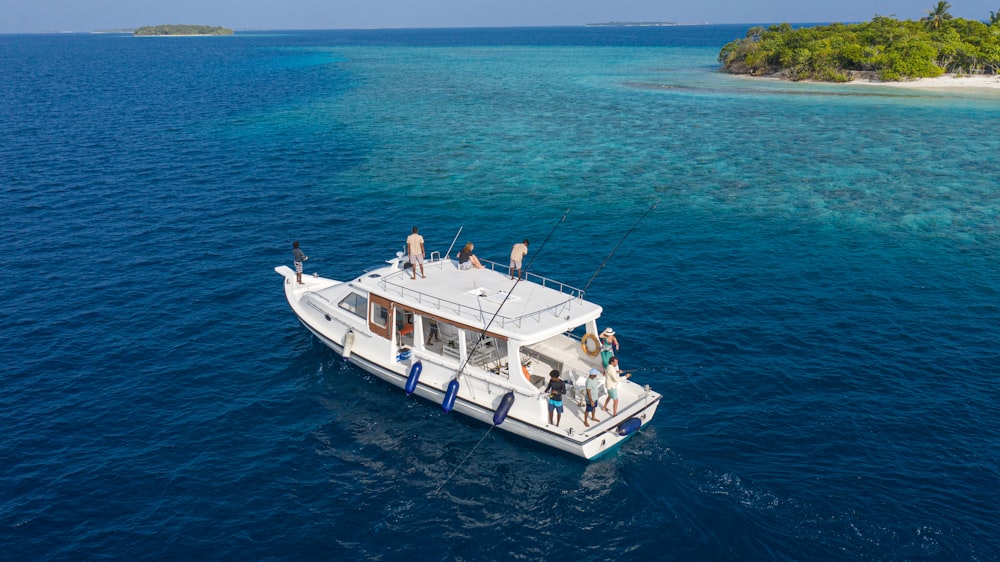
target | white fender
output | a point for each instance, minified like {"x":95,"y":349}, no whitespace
{"x":348,"y":344}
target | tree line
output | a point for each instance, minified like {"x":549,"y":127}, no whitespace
{"x":884,"y":49}
{"x":176,"y":29}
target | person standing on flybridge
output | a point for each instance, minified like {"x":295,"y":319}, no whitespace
{"x":517,"y":254}
{"x":415,"y":247}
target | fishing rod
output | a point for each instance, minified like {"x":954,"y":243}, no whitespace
{"x":482,"y":334}
{"x":620,"y":242}
{"x":482,"y":338}
{"x":526,"y":268}
{"x":612,"y":253}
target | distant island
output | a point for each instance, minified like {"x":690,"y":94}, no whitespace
{"x":160,"y":30}
{"x":883,"y":49}
{"x":632,"y":24}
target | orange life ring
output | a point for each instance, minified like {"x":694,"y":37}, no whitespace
{"x":587,"y":338}
{"x":527,"y":374}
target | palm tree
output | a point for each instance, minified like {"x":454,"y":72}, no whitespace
{"x":938,"y":14}
{"x":995,"y":17}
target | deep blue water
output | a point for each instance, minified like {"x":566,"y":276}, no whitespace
{"x":816,"y":294}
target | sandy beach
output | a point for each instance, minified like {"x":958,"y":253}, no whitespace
{"x":946,"y":81}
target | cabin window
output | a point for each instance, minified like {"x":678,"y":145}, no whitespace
{"x":380,"y":315}
{"x":355,"y":304}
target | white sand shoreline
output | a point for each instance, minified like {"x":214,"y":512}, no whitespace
{"x":940,"y":82}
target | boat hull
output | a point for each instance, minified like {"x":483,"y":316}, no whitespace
{"x":595,"y":446}
{"x":315,"y":304}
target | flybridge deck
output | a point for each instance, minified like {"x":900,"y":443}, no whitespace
{"x":535,"y":307}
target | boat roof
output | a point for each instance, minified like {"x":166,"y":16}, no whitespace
{"x":531,"y":309}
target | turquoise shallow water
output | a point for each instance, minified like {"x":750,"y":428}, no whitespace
{"x":816,"y":294}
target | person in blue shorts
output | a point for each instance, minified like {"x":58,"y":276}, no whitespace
{"x":556,"y":388}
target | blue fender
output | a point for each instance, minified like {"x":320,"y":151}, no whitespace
{"x":629,"y":426}
{"x":449,"y":397}
{"x":411,"y":382}
{"x":505,"y":403}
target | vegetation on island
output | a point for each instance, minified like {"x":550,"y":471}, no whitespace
{"x":882,"y":49}
{"x":175,"y":29}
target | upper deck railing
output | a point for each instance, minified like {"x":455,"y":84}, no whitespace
{"x":389,"y":284}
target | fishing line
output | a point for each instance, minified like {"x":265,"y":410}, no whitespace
{"x":620,"y":242}
{"x":482,"y":334}
{"x":446,"y":480}
{"x":482,"y":338}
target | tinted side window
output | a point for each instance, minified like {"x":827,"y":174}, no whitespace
{"x":380,"y":315}
{"x":355,"y":304}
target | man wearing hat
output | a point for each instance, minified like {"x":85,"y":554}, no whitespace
{"x":609,"y":343}
{"x":592,"y":386}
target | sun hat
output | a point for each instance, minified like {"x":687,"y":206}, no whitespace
{"x":608,"y":331}
{"x":594,"y":372}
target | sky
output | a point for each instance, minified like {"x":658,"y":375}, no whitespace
{"x":40,"y":16}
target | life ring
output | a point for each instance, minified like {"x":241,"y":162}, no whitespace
{"x":527,"y":373}
{"x":587,"y":338}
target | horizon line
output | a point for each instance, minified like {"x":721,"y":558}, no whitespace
{"x":415,"y":28}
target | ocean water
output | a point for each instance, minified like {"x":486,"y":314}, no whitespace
{"x":816,"y":293}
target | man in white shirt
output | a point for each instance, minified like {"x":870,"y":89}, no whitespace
{"x":612,"y":377}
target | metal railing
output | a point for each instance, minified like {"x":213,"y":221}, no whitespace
{"x":388,"y":284}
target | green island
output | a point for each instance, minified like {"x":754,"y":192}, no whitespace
{"x":175,"y":29}
{"x":884,"y":49}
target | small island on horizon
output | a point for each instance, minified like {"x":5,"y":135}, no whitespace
{"x":633,"y":24}
{"x":180,"y":30}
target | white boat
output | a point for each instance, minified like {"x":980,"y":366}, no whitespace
{"x":477,"y":342}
